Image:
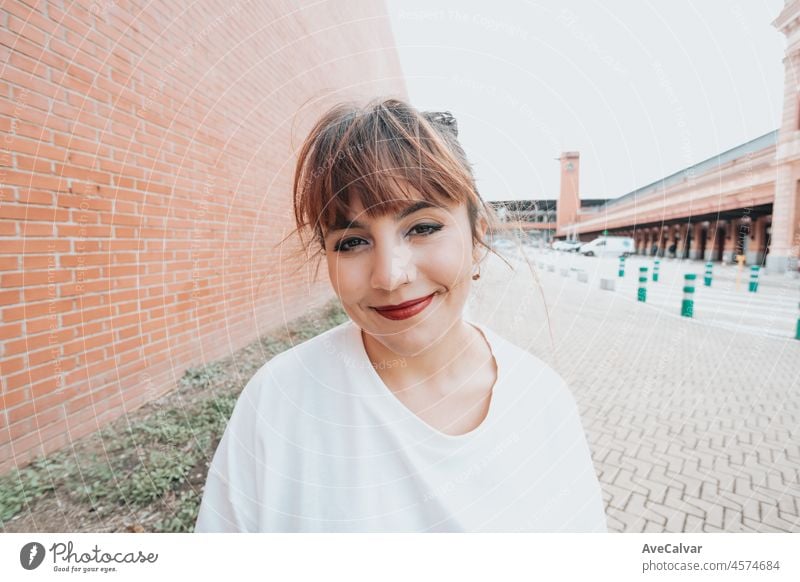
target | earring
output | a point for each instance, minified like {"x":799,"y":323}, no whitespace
{"x":477,"y":275}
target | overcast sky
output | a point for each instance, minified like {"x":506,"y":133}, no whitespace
{"x":641,"y":89}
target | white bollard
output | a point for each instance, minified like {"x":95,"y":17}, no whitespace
{"x":607,"y":284}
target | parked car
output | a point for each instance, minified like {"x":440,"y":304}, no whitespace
{"x":608,"y":246}
{"x":567,"y":245}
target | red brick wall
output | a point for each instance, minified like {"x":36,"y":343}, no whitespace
{"x":145,"y":179}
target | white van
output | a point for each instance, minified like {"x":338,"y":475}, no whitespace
{"x":608,"y":246}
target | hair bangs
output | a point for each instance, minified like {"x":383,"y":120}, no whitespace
{"x":384,"y":156}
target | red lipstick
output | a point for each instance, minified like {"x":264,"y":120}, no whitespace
{"x":406,"y":309}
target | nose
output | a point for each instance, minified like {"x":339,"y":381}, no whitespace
{"x":393,"y":265}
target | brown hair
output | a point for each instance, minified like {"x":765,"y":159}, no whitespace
{"x":373,"y":153}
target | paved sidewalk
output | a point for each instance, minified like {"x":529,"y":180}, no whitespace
{"x":692,"y":427}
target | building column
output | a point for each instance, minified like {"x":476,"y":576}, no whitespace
{"x":683,"y":242}
{"x":757,"y":247}
{"x":677,"y":235}
{"x":694,"y":250}
{"x":785,"y":239}
{"x":663,"y":241}
{"x":784,"y":245}
{"x":712,"y":242}
{"x":729,"y":248}
{"x":743,"y":231}
{"x":680,"y":240}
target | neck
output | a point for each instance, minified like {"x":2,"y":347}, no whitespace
{"x":434,"y":366}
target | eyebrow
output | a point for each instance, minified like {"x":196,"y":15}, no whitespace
{"x":408,"y":210}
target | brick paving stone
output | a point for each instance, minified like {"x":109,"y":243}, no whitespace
{"x":619,"y":495}
{"x":651,"y":527}
{"x":639,"y":467}
{"x":625,"y":481}
{"x":709,"y":491}
{"x":613,"y":458}
{"x":692,"y":426}
{"x":675,"y":519}
{"x":743,"y":485}
{"x":792,"y":518}
{"x":732,"y":520}
{"x":763,"y":493}
{"x":747,"y":506}
{"x":787,"y":505}
{"x":613,"y":522}
{"x":691,"y":485}
{"x":693,"y":524}
{"x":608,"y":473}
{"x":771,"y":523}
{"x":656,"y":491}
{"x":775,"y":481}
{"x":713,"y":511}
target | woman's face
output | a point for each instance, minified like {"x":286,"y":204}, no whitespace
{"x":424,"y":251}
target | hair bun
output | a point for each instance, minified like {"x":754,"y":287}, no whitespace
{"x":443,"y":119}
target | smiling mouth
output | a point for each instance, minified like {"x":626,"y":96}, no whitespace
{"x":403,"y":305}
{"x":405,"y":310}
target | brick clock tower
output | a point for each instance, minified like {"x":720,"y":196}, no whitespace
{"x":568,"y":195}
{"x":785,"y":236}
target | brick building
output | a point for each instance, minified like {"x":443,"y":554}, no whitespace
{"x":743,"y":201}
{"x":146,"y":171}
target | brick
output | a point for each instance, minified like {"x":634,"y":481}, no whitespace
{"x":10,"y":331}
{"x":35,"y":278}
{"x":83,"y":202}
{"x":38,"y":341}
{"x":29,"y":377}
{"x":27,"y":196}
{"x":32,"y":229}
{"x":9,"y":297}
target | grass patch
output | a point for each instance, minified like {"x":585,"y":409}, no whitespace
{"x":21,"y":487}
{"x":158,"y":461}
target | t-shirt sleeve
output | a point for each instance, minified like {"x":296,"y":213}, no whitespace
{"x":230,"y":499}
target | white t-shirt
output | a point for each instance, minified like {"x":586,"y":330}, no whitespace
{"x":318,"y":443}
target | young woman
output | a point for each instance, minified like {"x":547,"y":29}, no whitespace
{"x":408,"y":418}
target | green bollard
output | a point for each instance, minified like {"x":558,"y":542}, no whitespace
{"x":754,"y":278}
{"x":687,"y":306}
{"x":707,"y":278}
{"x":622,"y":266}
{"x":797,"y":334}
{"x":656,"y":266}
{"x":642,"y":293}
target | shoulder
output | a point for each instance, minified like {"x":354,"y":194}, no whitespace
{"x":300,"y":378}
{"x":306,"y":359}
{"x":521,"y":365}
{"x":530,"y":384}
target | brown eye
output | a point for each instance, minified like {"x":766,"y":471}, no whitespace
{"x":426,"y":229}
{"x":347,"y":244}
